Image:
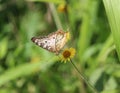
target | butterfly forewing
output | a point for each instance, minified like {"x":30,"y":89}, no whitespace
{"x":47,"y":43}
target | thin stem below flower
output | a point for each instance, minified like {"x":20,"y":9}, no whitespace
{"x":84,"y":78}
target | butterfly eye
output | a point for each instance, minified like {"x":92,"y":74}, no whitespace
{"x":45,"y":41}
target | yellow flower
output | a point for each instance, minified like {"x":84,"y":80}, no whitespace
{"x":67,"y":54}
{"x":62,"y":8}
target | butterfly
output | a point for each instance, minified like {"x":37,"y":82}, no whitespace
{"x":54,"y":42}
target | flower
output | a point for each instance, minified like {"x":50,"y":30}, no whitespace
{"x":62,"y":8}
{"x":67,"y":54}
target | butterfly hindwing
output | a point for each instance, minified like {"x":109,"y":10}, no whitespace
{"x":60,"y":40}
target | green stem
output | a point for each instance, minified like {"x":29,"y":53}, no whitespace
{"x":84,"y":78}
{"x":55,"y":16}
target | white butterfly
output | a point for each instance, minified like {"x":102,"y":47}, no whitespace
{"x":54,"y":42}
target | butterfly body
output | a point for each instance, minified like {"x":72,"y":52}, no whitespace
{"x":54,"y":42}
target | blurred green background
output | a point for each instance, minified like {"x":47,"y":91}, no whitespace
{"x":26,"y":68}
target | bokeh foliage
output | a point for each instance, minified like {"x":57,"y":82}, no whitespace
{"x":26,"y":68}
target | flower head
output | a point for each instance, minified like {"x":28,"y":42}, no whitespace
{"x":62,"y":8}
{"x":67,"y":54}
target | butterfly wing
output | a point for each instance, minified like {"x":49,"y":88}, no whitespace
{"x":61,"y":39}
{"x":47,"y":42}
{"x":54,"y":42}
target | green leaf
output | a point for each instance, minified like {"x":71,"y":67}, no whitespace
{"x":25,"y":69}
{"x":49,"y":1}
{"x":110,"y":91}
{"x":96,"y":75}
{"x":113,"y":13}
{"x":111,"y":84}
{"x":106,"y":49}
{"x":3,"y":47}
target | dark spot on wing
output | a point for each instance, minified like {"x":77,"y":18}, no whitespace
{"x":33,"y":39}
{"x":53,"y":37}
{"x":42,"y":44}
